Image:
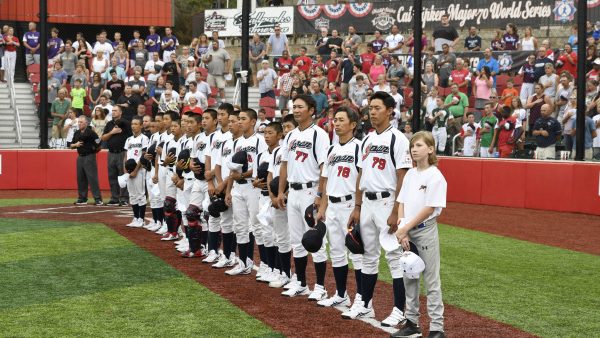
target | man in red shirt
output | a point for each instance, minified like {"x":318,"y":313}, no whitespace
{"x":505,"y":133}
{"x":367,"y":58}
{"x":332,"y":67}
{"x":306,"y":62}
{"x":461,"y":76}
{"x":284,"y":63}
{"x":568,"y":61}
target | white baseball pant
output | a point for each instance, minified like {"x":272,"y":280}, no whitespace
{"x":226,"y":221}
{"x":373,"y":220}
{"x":265,"y":232}
{"x":136,"y":188}
{"x":440,"y":135}
{"x":184,"y":196}
{"x":298,"y":201}
{"x":245,"y":209}
{"x":281,"y":230}
{"x":155,"y":200}
{"x":336,"y":219}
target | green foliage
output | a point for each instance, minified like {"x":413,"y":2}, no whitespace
{"x":184,"y":11}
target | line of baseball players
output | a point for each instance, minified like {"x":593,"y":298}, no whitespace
{"x":216,"y":187}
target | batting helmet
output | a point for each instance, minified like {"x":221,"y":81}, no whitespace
{"x":239,"y":162}
{"x":130,"y":165}
{"x":354,"y":242}
{"x":263,"y":171}
{"x":200,"y":174}
{"x":310,"y":215}
{"x":152,"y":150}
{"x":217,"y":206}
{"x":172,"y":152}
{"x":312,"y":240}
{"x":184,"y":156}
{"x":274,"y":186}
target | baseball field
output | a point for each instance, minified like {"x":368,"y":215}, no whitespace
{"x":68,"y":271}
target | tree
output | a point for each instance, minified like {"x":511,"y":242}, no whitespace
{"x":184,"y":10}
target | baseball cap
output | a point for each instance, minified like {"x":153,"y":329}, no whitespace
{"x":388,"y":241}
{"x":265,"y":61}
{"x":597,"y":61}
{"x":412,"y":265}
{"x":312,"y":240}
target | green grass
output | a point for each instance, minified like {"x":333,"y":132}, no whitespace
{"x":64,"y":279}
{"x":544,"y":290}
{"x":34,"y":201}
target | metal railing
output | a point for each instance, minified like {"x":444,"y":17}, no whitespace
{"x":13,"y":104}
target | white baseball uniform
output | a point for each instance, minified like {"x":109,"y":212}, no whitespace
{"x":155,"y":200}
{"x":223,"y":158}
{"x":219,"y":138}
{"x":470,"y":142}
{"x":341,"y":171}
{"x":381,"y":156}
{"x":183,"y":195}
{"x":244,"y":195}
{"x":281,"y":231}
{"x":135,"y":186}
{"x":304,"y":151}
{"x":164,"y":174}
{"x":264,"y":232}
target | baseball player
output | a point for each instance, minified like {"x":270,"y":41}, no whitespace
{"x":215,"y":184}
{"x":339,"y":179}
{"x":304,"y":150}
{"x":172,"y":217}
{"x":421,"y":199}
{"x":268,"y":251}
{"x":156,"y":127}
{"x":244,"y":195}
{"x":470,"y":134}
{"x":137,"y":179}
{"x":197,"y":143}
{"x":281,"y":231}
{"x":384,"y":159}
{"x":223,"y":158}
{"x":161,"y":172}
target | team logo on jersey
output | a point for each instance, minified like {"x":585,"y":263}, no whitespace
{"x":249,"y":149}
{"x":334,"y":159}
{"x":217,"y":144}
{"x":278,"y":160}
{"x":423,"y":187}
{"x":226,"y":152}
{"x":135,"y":145}
{"x":201,"y":146}
{"x":367,"y":151}
{"x":300,"y":144}
{"x":375,"y":150}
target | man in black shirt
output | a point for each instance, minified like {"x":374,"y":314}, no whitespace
{"x":322,"y":44}
{"x":445,"y":34}
{"x":473,"y":41}
{"x":129,"y":103}
{"x":115,"y":86}
{"x":87,"y":143}
{"x":115,"y":133}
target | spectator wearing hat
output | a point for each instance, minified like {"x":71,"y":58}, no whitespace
{"x":594,"y":74}
{"x":267,"y":80}
{"x":546,"y":130}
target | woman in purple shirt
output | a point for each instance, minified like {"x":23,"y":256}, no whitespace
{"x":510,"y":39}
{"x":55,"y":45}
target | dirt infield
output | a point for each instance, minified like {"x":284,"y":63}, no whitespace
{"x":570,"y":231}
{"x":292,"y":317}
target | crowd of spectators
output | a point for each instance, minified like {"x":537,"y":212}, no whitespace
{"x":534,"y":104}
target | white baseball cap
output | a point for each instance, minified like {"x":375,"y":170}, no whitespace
{"x":388,"y":241}
{"x":123,"y":180}
{"x":412,"y":265}
{"x":597,"y":61}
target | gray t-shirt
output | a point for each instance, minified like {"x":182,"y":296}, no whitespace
{"x":277,"y":43}
{"x":267,"y":81}
{"x":446,"y":68}
{"x":53,"y":87}
{"x":69,"y":60}
{"x":256,"y":49}
{"x":354,"y":40}
{"x":216,"y":66}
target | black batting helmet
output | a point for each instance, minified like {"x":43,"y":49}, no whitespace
{"x":130,"y":165}
{"x":312,"y":240}
{"x":354,"y":242}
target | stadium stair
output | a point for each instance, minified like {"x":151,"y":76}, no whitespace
{"x":28,"y":113}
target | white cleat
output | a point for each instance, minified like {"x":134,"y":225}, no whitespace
{"x":335,"y":300}
{"x":239,"y":269}
{"x":281,"y":281}
{"x":132,"y":223}
{"x":358,"y":310}
{"x":149,"y":225}
{"x":296,"y":290}
{"x":212,"y":257}
{"x":394,"y":319}
{"x":318,"y":293}
{"x":163,"y":230}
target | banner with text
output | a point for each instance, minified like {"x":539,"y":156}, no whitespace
{"x":228,"y":22}
{"x":368,"y":17}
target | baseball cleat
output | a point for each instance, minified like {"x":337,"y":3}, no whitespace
{"x":169,"y":236}
{"x":221,"y":263}
{"x":436,"y":334}
{"x":410,"y":330}
{"x":155,"y":227}
{"x":335,"y":300}
{"x":280,"y":282}
{"x":141,"y":223}
{"x":163,"y":230}
{"x":133,"y":223}
{"x":318,"y":293}
{"x":394,"y":319}
{"x":296,"y":290}
{"x":212,"y":257}
{"x":262,"y":270}
{"x":80,"y":202}
{"x":239,"y":269}
{"x":293,"y":280}
{"x":149,"y":225}
{"x":189,"y":254}
{"x":358,"y":310}
{"x":98,"y":203}
{"x":270,"y":276}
